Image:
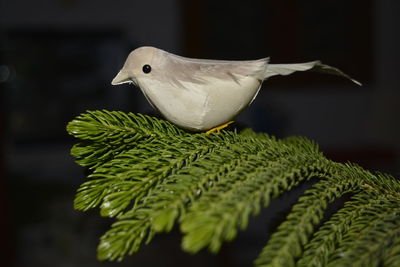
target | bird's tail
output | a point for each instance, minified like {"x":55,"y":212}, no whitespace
{"x":317,"y":66}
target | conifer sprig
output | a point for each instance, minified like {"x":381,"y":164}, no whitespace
{"x":149,"y":175}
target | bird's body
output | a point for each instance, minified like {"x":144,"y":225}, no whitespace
{"x":199,"y":94}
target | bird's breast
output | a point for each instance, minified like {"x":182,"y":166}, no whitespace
{"x":201,"y":106}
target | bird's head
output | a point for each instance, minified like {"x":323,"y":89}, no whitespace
{"x":140,"y":63}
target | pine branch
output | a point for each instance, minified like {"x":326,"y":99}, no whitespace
{"x":149,"y":175}
{"x":391,"y":255}
{"x":220,"y":212}
{"x":326,"y":239}
{"x":285,"y":245}
{"x":369,"y":235}
{"x":112,"y":132}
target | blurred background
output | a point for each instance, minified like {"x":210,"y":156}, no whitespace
{"x":57,"y":58}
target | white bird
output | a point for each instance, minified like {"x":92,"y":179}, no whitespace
{"x":201,"y":94}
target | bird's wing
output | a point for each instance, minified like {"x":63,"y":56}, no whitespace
{"x":201,"y":71}
{"x":317,"y":66}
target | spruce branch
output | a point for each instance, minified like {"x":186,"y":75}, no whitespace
{"x":370,"y":234}
{"x":149,"y":176}
{"x":325,"y":241}
{"x":224,"y":210}
{"x":285,"y":245}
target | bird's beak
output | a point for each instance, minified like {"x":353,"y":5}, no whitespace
{"x":122,"y":77}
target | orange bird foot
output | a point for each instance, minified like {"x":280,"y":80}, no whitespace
{"x":218,"y":128}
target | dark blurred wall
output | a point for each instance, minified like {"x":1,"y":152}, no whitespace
{"x":385,"y":122}
{"x":7,"y":246}
{"x":145,"y":22}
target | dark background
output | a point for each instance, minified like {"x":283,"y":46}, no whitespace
{"x":57,"y":58}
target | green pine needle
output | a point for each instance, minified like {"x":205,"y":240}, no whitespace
{"x":150,"y":175}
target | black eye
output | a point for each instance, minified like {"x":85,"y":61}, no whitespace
{"x":146,"y":68}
